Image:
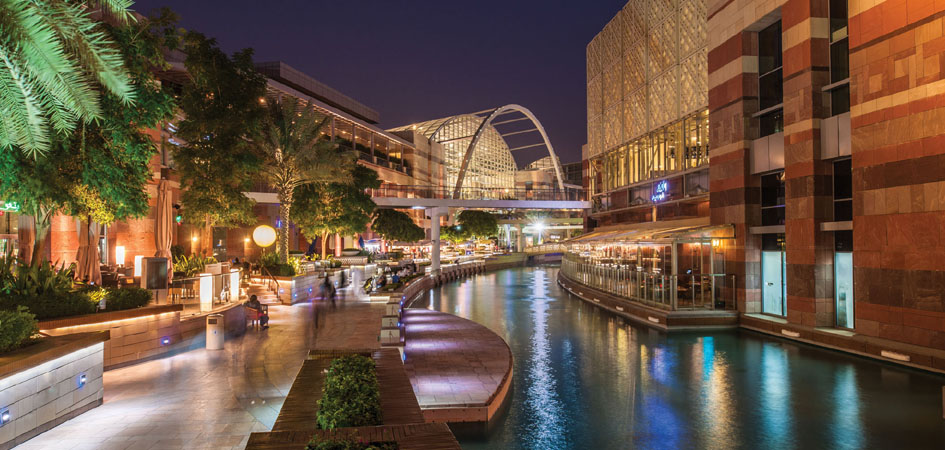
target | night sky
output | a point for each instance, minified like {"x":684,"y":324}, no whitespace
{"x":421,"y":60}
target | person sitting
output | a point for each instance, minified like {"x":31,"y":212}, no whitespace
{"x":396,"y":278}
{"x":261,"y":312}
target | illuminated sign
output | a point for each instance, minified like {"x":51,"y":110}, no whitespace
{"x":660,"y":191}
{"x":9,"y":206}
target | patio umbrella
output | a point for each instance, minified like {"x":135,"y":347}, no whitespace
{"x":163,"y":226}
{"x":87,"y":258}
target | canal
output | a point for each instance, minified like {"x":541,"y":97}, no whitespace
{"x":585,"y":378}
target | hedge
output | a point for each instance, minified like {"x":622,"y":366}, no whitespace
{"x":351,"y":396}
{"x":126,"y":298}
{"x":15,"y":328}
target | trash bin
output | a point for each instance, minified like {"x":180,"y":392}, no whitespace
{"x":215,"y":332}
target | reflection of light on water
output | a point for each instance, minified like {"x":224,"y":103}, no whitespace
{"x":547,"y":429}
{"x":775,"y":394}
{"x":658,"y":424}
{"x":716,"y":392}
{"x":849,"y":430}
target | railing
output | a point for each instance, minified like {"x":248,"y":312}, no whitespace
{"x":546,"y":248}
{"x":671,"y":292}
{"x":187,"y":290}
{"x":477,"y":193}
{"x":270,"y":281}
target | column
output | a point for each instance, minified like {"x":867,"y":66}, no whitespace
{"x":338,"y":245}
{"x":521,"y":238}
{"x":434,"y":215}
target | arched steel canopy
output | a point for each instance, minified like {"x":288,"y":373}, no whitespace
{"x":487,"y":119}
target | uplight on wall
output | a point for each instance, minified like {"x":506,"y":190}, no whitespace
{"x":120,"y":255}
{"x":138,"y":259}
{"x":206,"y":292}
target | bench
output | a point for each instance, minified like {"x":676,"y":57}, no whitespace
{"x":253,"y":314}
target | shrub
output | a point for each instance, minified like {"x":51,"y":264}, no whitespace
{"x":347,"y":444}
{"x":192,"y":265}
{"x":46,"y":290}
{"x":15,"y":328}
{"x":52,"y":305}
{"x":270,"y":261}
{"x":351,"y":397}
{"x":126,"y":298}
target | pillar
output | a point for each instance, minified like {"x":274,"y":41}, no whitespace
{"x":521,"y":238}
{"x":338,"y":245}
{"x":434,"y":215}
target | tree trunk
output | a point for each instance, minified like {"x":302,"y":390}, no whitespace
{"x":206,"y":237}
{"x":324,"y":244}
{"x":42,"y":219}
{"x":285,"y":205}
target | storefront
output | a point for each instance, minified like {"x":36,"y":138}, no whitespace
{"x":9,"y":226}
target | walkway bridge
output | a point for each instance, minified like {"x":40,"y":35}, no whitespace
{"x":422,"y":197}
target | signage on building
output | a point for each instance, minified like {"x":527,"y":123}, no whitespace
{"x":9,"y":206}
{"x":660,"y":191}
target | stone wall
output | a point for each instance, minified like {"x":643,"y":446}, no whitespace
{"x":55,"y":380}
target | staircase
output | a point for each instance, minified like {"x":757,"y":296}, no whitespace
{"x":262,"y":293}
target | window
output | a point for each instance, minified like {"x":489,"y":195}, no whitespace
{"x":839,"y":87}
{"x":842,"y":190}
{"x":219,"y":243}
{"x":773,"y":275}
{"x":772,"y":199}
{"x":770,"y":82}
{"x":843,"y":278}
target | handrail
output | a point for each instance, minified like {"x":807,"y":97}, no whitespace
{"x":271,"y":279}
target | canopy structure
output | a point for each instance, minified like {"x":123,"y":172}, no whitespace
{"x":477,"y":153}
{"x":686,"y":230}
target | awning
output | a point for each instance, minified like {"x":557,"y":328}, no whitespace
{"x":663,"y":231}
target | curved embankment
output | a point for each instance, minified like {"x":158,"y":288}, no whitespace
{"x":460,"y":371}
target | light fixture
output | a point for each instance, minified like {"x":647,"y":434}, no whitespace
{"x":165,"y":340}
{"x":193,"y":239}
{"x":82,"y":380}
{"x":120,"y":255}
{"x":206,"y":292}
{"x":234,"y":284}
{"x":5,"y":417}
{"x":246,"y":240}
{"x":138,"y":259}
{"x":264,"y":235}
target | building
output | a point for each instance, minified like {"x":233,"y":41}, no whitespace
{"x":573,"y":173}
{"x":647,"y":120}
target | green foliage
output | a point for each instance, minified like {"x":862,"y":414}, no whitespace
{"x":455,"y":234}
{"x":478,"y":223}
{"x":127,"y":298}
{"x":395,"y":225}
{"x":320,"y":209}
{"x":192,"y":265}
{"x":15,"y":328}
{"x":294,"y":153}
{"x":44,"y":289}
{"x":176,"y":251}
{"x":271,"y":262}
{"x":222,"y":110}
{"x":349,"y":444}
{"x":98,"y":170}
{"x":351,"y":396}
{"x":54,"y":60}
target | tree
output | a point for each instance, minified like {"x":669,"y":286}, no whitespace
{"x":223,"y":108}
{"x":478,"y":223}
{"x":56,"y":63}
{"x":294,"y":153}
{"x":321,"y":209}
{"x":99,"y":171}
{"x":393,"y":225}
{"x":455,"y":234}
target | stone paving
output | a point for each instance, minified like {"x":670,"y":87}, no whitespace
{"x":213,"y":399}
{"x":453,"y":362}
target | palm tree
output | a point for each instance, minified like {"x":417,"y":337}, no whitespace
{"x":296,"y":152}
{"x":53,"y":58}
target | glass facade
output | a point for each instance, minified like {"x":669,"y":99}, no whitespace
{"x":843,"y":278}
{"x":491,"y":165}
{"x":645,"y":70}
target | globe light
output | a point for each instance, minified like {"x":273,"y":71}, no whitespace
{"x":264,"y":236}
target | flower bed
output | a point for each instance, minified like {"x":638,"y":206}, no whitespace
{"x":351,"y":396}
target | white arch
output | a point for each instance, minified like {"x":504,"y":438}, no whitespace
{"x":488,"y":120}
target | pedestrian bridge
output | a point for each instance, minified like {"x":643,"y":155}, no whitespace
{"x":423,"y":197}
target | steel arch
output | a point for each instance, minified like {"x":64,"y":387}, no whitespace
{"x":488,"y":120}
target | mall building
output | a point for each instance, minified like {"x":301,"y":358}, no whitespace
{"x":826,"y":131}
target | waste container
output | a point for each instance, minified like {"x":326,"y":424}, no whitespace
{"x":215,"y":332}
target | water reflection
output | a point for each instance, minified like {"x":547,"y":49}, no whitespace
{"x":586,"y":379}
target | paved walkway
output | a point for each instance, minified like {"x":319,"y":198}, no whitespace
{"x":455,"y":365}
{"x":213,"y":399}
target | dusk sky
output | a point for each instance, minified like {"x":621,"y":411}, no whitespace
{"x":421,"y":60}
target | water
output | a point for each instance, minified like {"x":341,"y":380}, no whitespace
{"x":587,"y":379}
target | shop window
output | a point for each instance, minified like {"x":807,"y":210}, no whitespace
{"x":843,"y":278}
{"x":842,"y":190}
{"x":772,"y":199}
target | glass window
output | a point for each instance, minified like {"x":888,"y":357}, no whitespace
{"x":773,"y":275}
{"x":772,"y":199}
{"x":843,"y":278}
{"x":769,"y":48}
{"x":770,"y":88}
{"x":840,"y":100}
{"x":771,"y":123}
{"x":842,"y":190}
{"x":219,"y":242}
{"x":103,"y":246}
{"x":839,"y":60}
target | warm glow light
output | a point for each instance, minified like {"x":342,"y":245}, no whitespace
{"x":193,"y":239}
{"x":138,"y":259}
{"x":120,"y":255}
{"x":264,"y":235}
{"x":246,"y":240}
{"x":234,"y":285}
{"x":206,"y":292}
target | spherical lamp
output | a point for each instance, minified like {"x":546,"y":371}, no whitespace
{"x":264,"y":235}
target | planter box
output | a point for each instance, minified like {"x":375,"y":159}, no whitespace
{"x":47,"y":383}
